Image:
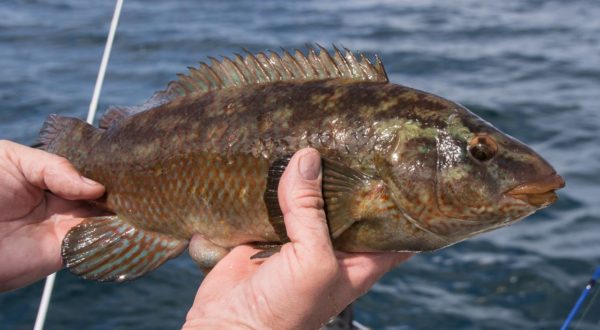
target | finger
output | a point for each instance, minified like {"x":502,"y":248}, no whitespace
{"x":78,"y":209}
{"x":302,"y":202}
{"x":71,"y":214}
{"x":52,"y":172}
{"x":362,"y":270}
{"x":36,"y":249}
{"x":238,"y":262}
{"x":232,"y":269}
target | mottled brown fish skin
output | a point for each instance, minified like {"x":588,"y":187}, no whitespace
{"x":198,"y":165}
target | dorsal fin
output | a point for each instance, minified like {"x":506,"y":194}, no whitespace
{"x":114,"y":115}
{"x":264,"y":68}
{"x":259,"y":69}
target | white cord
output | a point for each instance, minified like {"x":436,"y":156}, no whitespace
{"x":45,"y":302}
{"x":104,"y":63}
{"x":359,"y":326}
{"x":43,"y":310}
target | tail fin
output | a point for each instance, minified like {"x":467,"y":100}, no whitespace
{"x":65,"y":136}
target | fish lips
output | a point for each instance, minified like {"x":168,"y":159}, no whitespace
{"x":539,"y":193}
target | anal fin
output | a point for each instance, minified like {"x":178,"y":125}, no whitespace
{"x":108,"y":249}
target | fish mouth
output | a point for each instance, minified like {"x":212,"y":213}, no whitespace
{"x":538,"y":193}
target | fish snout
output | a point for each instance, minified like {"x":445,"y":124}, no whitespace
{"x":539,"y":193}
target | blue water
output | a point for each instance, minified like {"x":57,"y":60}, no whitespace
{"x":530,"y":67}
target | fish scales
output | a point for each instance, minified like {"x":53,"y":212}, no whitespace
{"x":286,"y":116}
{"x":223,"y":152}
{"x":403,"y":170}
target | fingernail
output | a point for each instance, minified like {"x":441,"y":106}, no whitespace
{"x":310,"y":166}
{"x":89,"y":181}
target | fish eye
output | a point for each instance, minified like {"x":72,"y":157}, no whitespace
{"x":482,"y":147}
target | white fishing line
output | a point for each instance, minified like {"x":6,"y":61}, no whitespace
{"x":45,"y":303}
{"x":49,"y":285}
{"x":104,"y":63}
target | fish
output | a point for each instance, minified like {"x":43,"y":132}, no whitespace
{"x":402,"y":169}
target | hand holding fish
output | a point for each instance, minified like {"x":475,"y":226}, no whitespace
{"x":33,"y":221}
{"x":300,"y":287}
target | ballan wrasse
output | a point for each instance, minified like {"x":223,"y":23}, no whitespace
{"x":403,"y":170}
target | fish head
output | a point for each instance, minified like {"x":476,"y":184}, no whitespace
{"x":462,"y":176}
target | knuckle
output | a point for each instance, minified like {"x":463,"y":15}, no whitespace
{"x":331,"y":262}
{"x":309,"y":200}
{"x":314,"y":215}
{"x":58,"y":166}
{"x":323,"y":269}
{"x":328,"y":266}
{"x":62,"y":163}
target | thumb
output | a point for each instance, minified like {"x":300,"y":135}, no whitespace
{"x":302,"y":203}
{"x":47,"y":171}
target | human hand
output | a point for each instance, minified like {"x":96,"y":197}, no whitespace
{"x":303,"y":285}
{"x":33,"y":220}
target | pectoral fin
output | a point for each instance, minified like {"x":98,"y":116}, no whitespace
{"x":108,"y":249}
{"x":340,"y":184}
{"x":340,"y":187}
{"x":272,"y":200}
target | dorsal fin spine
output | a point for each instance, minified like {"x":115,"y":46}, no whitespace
{"x":304,"y":65}
{"x":355,"y":67}
{"x":275,"y":62}
{"x":174,"y":88}
{"x":263,"y":60}
{"x":275,"y":67}
{"x":314,"y":61}
{"x":292,"y":63}
{"x":285,"y":73}
{"x":243,"y":71}
{"x":340,"y":62}
{"x":210,"y":76}
{"x":239,"y":78}
{"x":379,"y":67}
{"x":250,"y":75}
{"x":326,"y":58}
{"x":326,"y":65}
{"x":364,"y":61}
{"x":260,"y":65}
{"x":218,"y":80}
{"x":184,"y":83}
{"x":192,"y":85}
{"x":199,"y":77}
{"x":271,"y":67}
{"x":257,"y":65}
